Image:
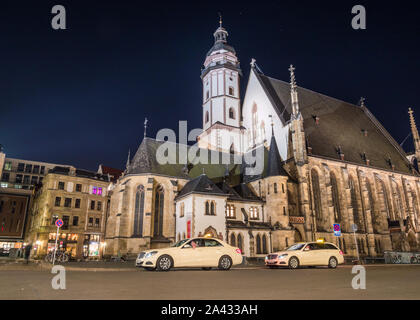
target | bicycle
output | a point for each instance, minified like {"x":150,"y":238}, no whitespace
{"x":60,"y":256}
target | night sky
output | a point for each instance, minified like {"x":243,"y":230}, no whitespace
{"x":79,"y":96}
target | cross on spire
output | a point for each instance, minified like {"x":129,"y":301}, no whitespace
{"x":220,"y":19}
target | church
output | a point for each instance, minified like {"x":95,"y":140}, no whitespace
{"x":323,"y":162}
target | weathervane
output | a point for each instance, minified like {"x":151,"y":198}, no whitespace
{"x":220,"y":19}
{"x":145,"y":126}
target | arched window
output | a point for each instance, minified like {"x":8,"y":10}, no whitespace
{"x":240,"y":243}
{"x":275,"y":187}
{"x":233,"y":240}
{"x":355,"y":205}
{"x":384,"y":200}
{"x":317,"y":195}
{"x":264,"y":244}
{"x":231,"y":113}
{"x":372,"y":207}
{"x":207,"y":208}
{"x":158,"y":212}
{"x":212,"y":208}
{"x":335,"y":198}
{"x":139,"y":212}
{"x":258,"y":244}
{"x":397,"y":198}
{"x":206,"y":118}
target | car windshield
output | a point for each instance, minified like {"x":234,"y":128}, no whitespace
{"x":295,"y":247}
{"x":180,"y":243}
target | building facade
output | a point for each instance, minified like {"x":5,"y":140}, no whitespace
{"x":323,"y":161}
{"x":80,"y":199}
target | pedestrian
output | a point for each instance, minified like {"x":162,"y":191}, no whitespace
{"x":28,"y":252}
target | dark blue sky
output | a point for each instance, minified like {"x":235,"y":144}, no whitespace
{"x":79,"y":96}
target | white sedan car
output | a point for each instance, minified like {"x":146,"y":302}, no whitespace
{"x":306,"y":254}
{"x":203,"y":253}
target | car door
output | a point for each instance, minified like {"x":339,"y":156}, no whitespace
{"x":213,"y":250}
{"x":308,"y":255}
{"x":321,"y":254}
{"x":191,"y":253}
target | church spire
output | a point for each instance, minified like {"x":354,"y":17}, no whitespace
{"x":293,"y":93}
{"x":415,"y":132}
{"x":128,"y":160}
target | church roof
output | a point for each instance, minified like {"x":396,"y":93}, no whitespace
{"x":144,"y":161}
{"x":201,"y":184}
{"x":331,"y":124}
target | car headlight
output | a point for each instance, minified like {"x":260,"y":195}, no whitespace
{"x":283,"y":256}
{"x":266,"y":257}
{"x":150,"y":254}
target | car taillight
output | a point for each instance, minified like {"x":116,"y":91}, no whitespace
{"x":238,"y":251}
{"x":341,"y":252}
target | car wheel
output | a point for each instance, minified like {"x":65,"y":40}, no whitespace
{"x":149,"y":268}
{"x":164,"y":263}
{"x":332,"y":263}
{"x":206,"y":268}
{"x":293,"y":263}
{"x":225,"y":263}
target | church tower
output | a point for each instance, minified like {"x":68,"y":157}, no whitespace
{"x":220,"y":75}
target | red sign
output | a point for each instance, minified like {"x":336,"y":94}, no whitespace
{"x":189,"y":229}
{"x":59,"y":223}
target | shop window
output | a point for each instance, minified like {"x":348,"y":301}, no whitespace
{"x":60,"y":185}
{"x":57,"y":201}
{"x":75,"y":221}
{"x":77,"y":203}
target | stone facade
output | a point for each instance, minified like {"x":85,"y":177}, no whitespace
{"x":81,"y":202}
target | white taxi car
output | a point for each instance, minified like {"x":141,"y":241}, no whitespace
{"x":306,"y":254}
{"x":203,"y":253}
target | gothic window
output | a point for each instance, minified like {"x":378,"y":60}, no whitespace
{"x":231,"y":113}
{"x":372,"y":207}
{"x":138,"y":212}
{"x":258,"y":244}
{"x":207,"y":211}
{"x":397,"y":198}
{"x":240,"y":244}
{"x":384,"y":198}
{"x":264,"y":244}
{"x":317,"y":195}
{"x":356,"y":217}
{"x":233,"y":240}
{"x":275,"y":187}
{"x":206,"y":118}
{"x":335,"y":198}
{"x":158,"y":212}
{"x":212,"y":208}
